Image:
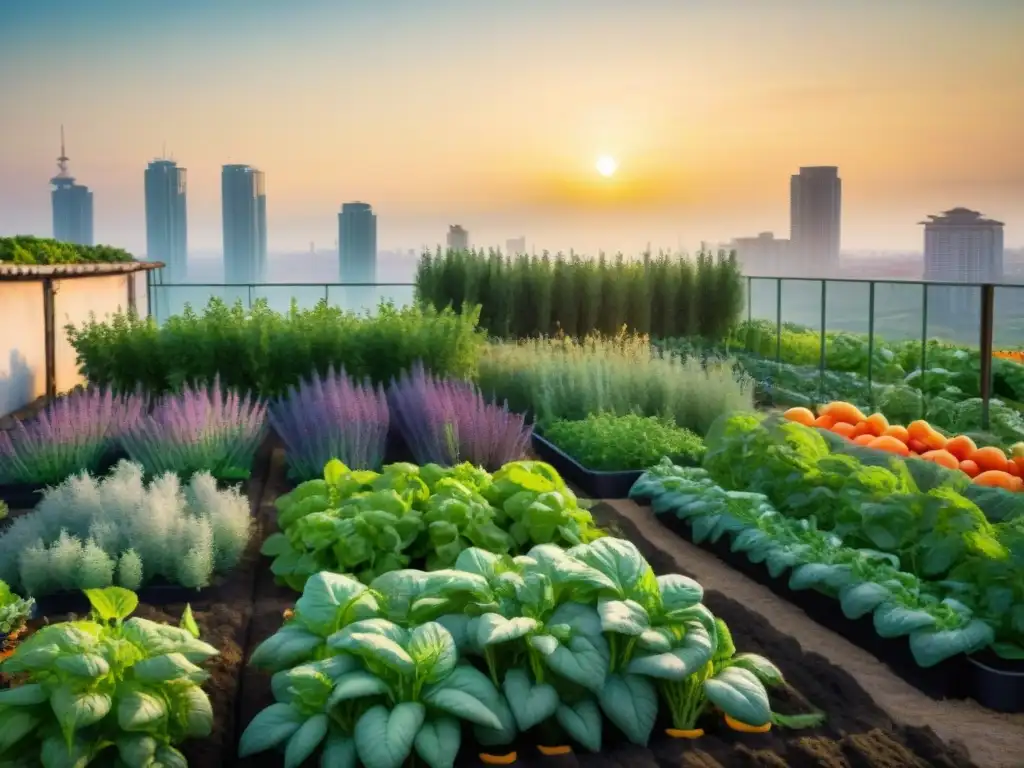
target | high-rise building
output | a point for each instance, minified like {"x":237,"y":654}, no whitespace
{"x":764,"y":255}
{"x":357,"y":243}
{"x":458,"y":238}
{"x":72,"y":204}
{"x":244,"y":209}
{"x":815,"y":214}
{"x":515,"y":246}
{"x":166,"y":221}
{"x":961,"y":246}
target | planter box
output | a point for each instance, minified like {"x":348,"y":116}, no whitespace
{"x":995,"y":683}
{"x":595,"y":484}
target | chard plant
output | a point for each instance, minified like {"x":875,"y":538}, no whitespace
{"x":106,"y":688}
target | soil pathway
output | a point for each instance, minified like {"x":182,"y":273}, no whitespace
{"x":994,"y":740}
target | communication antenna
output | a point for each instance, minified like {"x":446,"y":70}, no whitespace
{"x":62,"y":161}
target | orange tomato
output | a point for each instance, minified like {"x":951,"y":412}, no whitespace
{"x":891,"y":444}
{"x":969,"y":468}
{"x":877,"y":424}
{"x":990,"y":459}
{"x":961,"y":446}
{"x":863,"y":439}
{"x":899,"y":432}
{"x":942,"y":458}
{"x":1012,"y":468}
{"x":841,"y":411}
{"x":863,"y":429}
{"x":825,"y":422}
{"x":800,"y":416}
{"x":917,"y":446}
{"x":921,"y":430}
{"x":845,"y":429}
{"x":996,"y":478}
{"x":1019,"y":461}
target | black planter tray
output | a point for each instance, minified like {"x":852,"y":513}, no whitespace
{"x":61,"y":603}
{"x":595,"y":484}
{"x":994,"y":683}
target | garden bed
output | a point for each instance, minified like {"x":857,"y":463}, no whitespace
{"x":591,"y":482}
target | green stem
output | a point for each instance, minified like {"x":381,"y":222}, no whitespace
{"x":614,"y":653}
{"x":492,"y":666}
{"x":536,"y":666}
{"x":628,"y":653}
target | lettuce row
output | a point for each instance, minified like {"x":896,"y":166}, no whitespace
{"x":367,"y":523}
{"x":374,"y":673}
{"x":938,"y":623}
{"x":108,"y":687}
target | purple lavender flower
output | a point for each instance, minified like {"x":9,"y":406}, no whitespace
{"x":73,"y":433}
{"x":199,"y":428}
{"x":449,"y":421}
{"x":332,"y":417}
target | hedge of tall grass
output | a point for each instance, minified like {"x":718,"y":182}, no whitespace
{"x":531,"y":296}
{"x":559,"y":378}
{"x":265,"y":352}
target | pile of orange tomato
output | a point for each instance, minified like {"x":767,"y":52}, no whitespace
{"x":988,"y":466}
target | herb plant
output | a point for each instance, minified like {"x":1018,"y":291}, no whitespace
{"x":201,"y":428}
{"x":108,"y":685}
{"x":607,"y":442}
{"x":89,"y":533}
{"x":14,"y":611}
{"x":74,"y":433}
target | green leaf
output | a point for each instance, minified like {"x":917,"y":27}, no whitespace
{"x":739,"y":694}
{"x":631,"y":703}
{"x":169,"y":757}
{"x":694,"y":651}
{"x":467,"y":694}
{"x":86,"y":665}
{"x":139,"y":710}
{"x":375,"y":647}
{"x":112,"y":603}
{"x":269,"y":728}
{"x":621,"y":562}
{"x":433,"y":650}
{"x":931,"y":647}
{"x":384,"y":739}
{"x":679,"y":592}
{"x":531,"y":703}
{"x":275,"y":544}
{"x":188,"y":622}
{"x":190,"y":708}
{"x":334,"y":471}
{"x":624,"y":617}
{"x":490,"y":737}
{"x":23,"y":695}
{"x":356,"y":685}
{"x":438,"y":742}
{"x":858,"y":600}
{"x":760,"y":667}
{"x":304,"y":741}
{"x":330,"y":599}
{"x":170,"y":666}
{"x":77,"y":710}
{"x":494,"y":629}
{"x":137,"y":750}
{"x":339,"y":752}
{"x":72,"y":753}
{"x":289,"y":646}
{"x":894,"y":620}
{"x":583,"y":659}
{"x":582,"y":721}
{"x":15,"y":724}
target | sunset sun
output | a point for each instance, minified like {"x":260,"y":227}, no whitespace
{"x":607,"y":166}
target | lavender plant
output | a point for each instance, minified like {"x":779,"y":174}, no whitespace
{"x":90,"y":533}
{"x":331,"y":417}
{"x":72,"y":434}
{"x":199,"y":428}
{"x":448,"y":421}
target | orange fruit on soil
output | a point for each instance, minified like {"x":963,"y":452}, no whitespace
{"x":990,"y":459}
{"x":899,"y":432}
{"x":841,"y":411}
{"x":995,"y":478}
{"x":863,"y":439}
{"x":845,"y":429}
{"x":800,"y":416}
{"x":961,"y":446}
{"x":969,"y":468}
{"x":889,"y":443}
{"x":916,"y":446}
{"x":942,"y":458}
{"x":877,"y":424}
{"x":922,"y":430}
{"x":825,"y":422}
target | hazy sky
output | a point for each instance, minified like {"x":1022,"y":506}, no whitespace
{"x":492,"y":113}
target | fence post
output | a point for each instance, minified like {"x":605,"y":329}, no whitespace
{"x":988,"y":302}
{"x":821,"y":355}
{"x":49,"y":337}
{"x":778,"y":320}
{"x":924,"y":347}
{"x":871,"y":342}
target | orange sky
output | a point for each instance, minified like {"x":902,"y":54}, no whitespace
{"x":492,"y":114}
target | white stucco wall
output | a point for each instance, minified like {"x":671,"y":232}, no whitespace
{"x":22,"y":344}
{"x":73,"y":302}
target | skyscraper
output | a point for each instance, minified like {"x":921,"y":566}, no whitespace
{"x":244,"y":208}
{"x":458,"y":238}
{"x":515,"y":246}
{"x":357,"y":243}
{"x":72,"y":204}
{"x":815,"y":213}
{"x":762,"y":255}
{"x":166,"y":221}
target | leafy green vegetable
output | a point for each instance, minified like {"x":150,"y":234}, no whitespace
{"x":607,"y":442}
{"x":108,"y":684}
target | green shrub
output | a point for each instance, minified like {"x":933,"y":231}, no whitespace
{"x":266,"y":352}
{"x":606,"y":442}
{"x":561,"y":379}
{"x":25,"y":249}
{"x":530,"y":296}
{"x":88,"y":533}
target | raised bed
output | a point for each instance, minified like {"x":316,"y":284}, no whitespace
{"x":594,"y":483}
{"x":994,"y":683}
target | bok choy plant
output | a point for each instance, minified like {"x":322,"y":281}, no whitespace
{"x":107,"y":685}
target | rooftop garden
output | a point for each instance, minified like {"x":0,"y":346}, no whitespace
{"x":29,"y":250}
{"x":320,"y":538}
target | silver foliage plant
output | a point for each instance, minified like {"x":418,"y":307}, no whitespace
{"x":91,"y":533}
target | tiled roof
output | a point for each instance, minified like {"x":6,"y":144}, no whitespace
{"x":22,"y":271}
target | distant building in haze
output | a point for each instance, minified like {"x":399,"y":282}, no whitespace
{"x":762,"y":255}
{"x":515,"y":246}
{"x":458,"y":238}
{"x":166,"y":220}
{"x":357,"y":243}
{"x":72,"y":204}
{"x":961,"y":246}
{"x":815,"y":214}
{"x":244,"y":210}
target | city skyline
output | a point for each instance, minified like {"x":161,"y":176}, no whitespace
{"x":704,"y":139}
